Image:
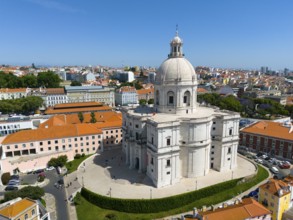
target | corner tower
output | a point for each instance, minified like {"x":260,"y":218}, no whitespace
{"x":176,"y":83}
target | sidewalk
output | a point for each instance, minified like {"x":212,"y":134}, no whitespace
{"x":71,"y":186}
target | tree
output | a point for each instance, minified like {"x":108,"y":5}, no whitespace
{"x":32,"y":192}
{"x":48,"y":79}
{"x":151,"y":101}
{"x":58,"y":162}
{"x":75,"y":83}
{"x":142,"y":102}
{"x":80,"y":117}
{"x":30,"y":81}
{"x":93,"y":118}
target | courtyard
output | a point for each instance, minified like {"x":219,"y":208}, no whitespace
{"x":107,"y":174}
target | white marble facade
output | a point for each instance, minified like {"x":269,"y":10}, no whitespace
{"x":176,"y":137}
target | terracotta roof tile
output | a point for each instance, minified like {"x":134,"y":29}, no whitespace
{"x":274,"y":186}
{"x":268,"y":128}
{"x":53,"y":132}
{"x":145,"y":91}
{"x":248,"y":208}
{"x":16,"y":208}
{"x":7,"y":90}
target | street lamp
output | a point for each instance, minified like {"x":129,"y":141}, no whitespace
{"x":195,"y":184}
{"x":150,"y":193}
{"x":82,"y":182}
{"x":110,"y":192}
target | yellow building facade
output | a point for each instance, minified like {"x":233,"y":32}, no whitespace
{"x":275,"y":196}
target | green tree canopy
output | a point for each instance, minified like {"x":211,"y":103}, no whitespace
{"x":93,"y":118}
{"x":80,"y":117}
{"x":58,"y":162}
{"x":32,"y":192}
{"x":48,"y":79}
{"x":75,"y":83}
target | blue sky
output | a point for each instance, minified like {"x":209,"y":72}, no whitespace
{"x":216,"y":33}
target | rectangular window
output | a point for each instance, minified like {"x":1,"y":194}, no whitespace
{"x":111,"y":132}
{"x":81,"y":138}
{"x":106,"y":132}
{"x":229,"y":150}
{"x":168,"y":141}
{"x":56,"y":141}
{"x":75,"y":139}
{"x":213,"y":147}
{"x":16,"y":146}
{"x":56,"y":148}
{"x":63,"y":140}
{"x":87,"y":143}
{"x":87,"y":138}
{"x":230,"y":131}
{"x":49,"y":148}
{"x":63,"y":147}
{"x":152,"y":140}
{"x":185,"y":99}
{"x":76,"y":145}
{"x":23,"y":145}
{"x":171,"y":99}
{"x":69,"y":140}
{"x":214,"y":128}
{"x":49,"y":142}
{"x":168,"y":162}
{"x":32,"y":144}
{"x":41,"y":149}
{"x":99,"y":136}
{"x":69,"y":146}
{"x":93,"y":137}
{"x":41,"y":143}
{"x":93,"y":143}
{"x":81,"y":144}
{"x":136,"y":126}
{"x":94,"y":148}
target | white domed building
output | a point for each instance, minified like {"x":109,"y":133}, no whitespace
{"x":176,"y":138}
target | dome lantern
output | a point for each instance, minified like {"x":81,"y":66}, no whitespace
{"x":176,"y":46}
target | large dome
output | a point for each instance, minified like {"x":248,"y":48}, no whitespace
{"x":175,"y":69}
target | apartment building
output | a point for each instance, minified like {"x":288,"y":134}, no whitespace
{"x":7,"y":93}
{"x":23,"y":209}
{"x":273,"y":138}
{"x":126,"y":95}
{"x":29,"y":150}
{"x":275,"y":196}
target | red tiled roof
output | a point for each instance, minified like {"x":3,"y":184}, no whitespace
{"x":271,"y":129}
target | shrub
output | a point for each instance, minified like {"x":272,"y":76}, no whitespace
{"x":58,"y":162}
{"x":83,"y":155}
{"x":5,"y":178}
{"x":32,"y":192}
{"x":77,"y":156}
{"x":41,"y":178}
{"x":155,"y":205}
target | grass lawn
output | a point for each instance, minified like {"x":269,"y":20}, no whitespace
{"x":96,"y":212}
{"x":72,"y":165}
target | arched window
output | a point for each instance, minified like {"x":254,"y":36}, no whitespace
{"x":170,"y":96}
{"x":26,"y":216}
{"x":157,"y":97}
{"x":186,"y":98}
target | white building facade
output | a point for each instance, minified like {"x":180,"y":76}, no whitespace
{"x":176,"y":138}
{"x":126,"y":95}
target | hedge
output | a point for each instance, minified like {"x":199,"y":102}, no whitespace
{"x":155,"y":205}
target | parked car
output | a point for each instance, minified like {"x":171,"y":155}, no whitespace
{"x":287,"y":162}
{"x":274,"y":170}
{"x":259,"y":161}
{"x":11,"y":188}
{"x":38,"y":171}
{"x":13,"y":182}
{"x":50,"y":168}
{"x":284,"y":166}
{"x":16,"y":177}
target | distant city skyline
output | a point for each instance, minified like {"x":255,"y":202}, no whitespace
{"x":229,"y":34}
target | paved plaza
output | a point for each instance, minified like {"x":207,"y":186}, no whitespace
{"x":107,"y":174}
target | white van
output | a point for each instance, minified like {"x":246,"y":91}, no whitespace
{"x":274,"y":170}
